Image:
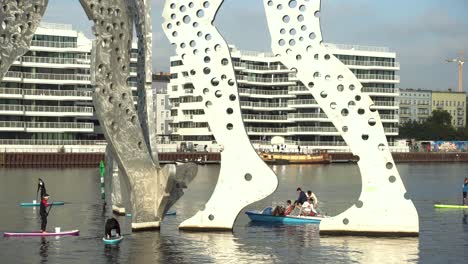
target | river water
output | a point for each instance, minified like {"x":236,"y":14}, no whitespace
{"x":443,"y":237}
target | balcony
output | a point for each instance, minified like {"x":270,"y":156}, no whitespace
{"x":313,"y":130}
{"x":260,"y":68}
{"x":52,"y":142}
{"x":303,"y":103}
{"x":378,"y":78}
{"x":265,"y":81}
{"x":265,"y":118}
{"x":392,"y":92}
{"x":266,"y":130}
{"x":59,"y":62}
{"x":52,"y":127}
{"x":53,"y":44}
{"x":297,"y":90}
{"x":256,"y":93}
{"x":40,"y":110}
{"x":386,"y":104}
{"x":371,"y":64}
{"x":265,"y":106}
{"x":356,"y":47}
{"x":40,"y":94}
{"x":307,"y":116}
{"x":47,"y":78}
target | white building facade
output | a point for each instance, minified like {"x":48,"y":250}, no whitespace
{"x":46,"y":96}
{"x":276,"y":108}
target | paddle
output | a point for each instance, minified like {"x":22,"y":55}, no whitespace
{"x":50,"y":207}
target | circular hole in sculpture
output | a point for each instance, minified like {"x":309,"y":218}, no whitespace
{"x":232,"y":97}
{"x":229,"y":126}
{"x":365,"y":137}
{"x":372,"y":122}
{"x":211,"y":217}
{"x":381,"y":147}
{"x":333,"y":105}
{"x":229,"y":111}
{"x":324,"y":94}
{"x":248,"y":177}
{"x":389,"y":165}
{"x":344,"y":112}
{"x":346,"y":221}
{"x":218,"y":93}
{"x":208,"y":104}
{"x":359,"y":204}
{"x":206,"y":91}
{"x":392,"y":179}
{"x":345,"y":129}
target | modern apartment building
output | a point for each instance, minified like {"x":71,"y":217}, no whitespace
{"x":162,"y":106}
{"x":275,"y":104}
{"x":46,"y":96}
{"x":452,"y":102}
{"x":415,"y":105}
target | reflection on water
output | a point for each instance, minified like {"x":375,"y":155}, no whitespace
{"x":443,"y":238}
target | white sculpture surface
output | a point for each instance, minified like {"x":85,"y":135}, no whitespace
{"x":297,"y":41}
{"x":244,"y":178}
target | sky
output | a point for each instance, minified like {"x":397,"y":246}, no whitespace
{"x":423,"y":33}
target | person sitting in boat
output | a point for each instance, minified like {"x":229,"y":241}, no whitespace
{"x":312,"y":195}
{"x":308,"y":208}
{"x":112,"y":224}
{"x":41,"y":187}
{"x":302,"y":196}
{"x":43,"y":212}
{"x":465,"y":190}
{"x":289,"y":208}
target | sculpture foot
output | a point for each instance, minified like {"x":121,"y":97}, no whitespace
{"x":146,"y":226}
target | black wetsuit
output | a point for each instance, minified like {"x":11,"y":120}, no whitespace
{"x":43,"y":212}
{"x":111,"y":224}
{"x":41,"y":186}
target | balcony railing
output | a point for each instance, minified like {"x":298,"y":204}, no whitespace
{"x":53,"y":44}
{"x":302,"y":102}
{"x":59,"y":125}
{"x":260,"y":67}
{"x":266,"y":129}
{"x":45,"y":108}
{"x":52,"y":60}
{"x":357,"y":47}
{"x":263,"y":92}
{"x":298,"y":89}
{"x":49,"y":76}
{"x":51,"y":142}
{"x":265,"y":117}
{"x":256,"y":53}
{"x":380,"y":90}
{"x":312,"y":129}
{"x":371,"y":63}
{"x":264,"y":105}
{"x":388,"y":117}
{"x":74,"y":93}
{"x":263,"y":80}
{"x":46,"y":125}
{"x":378,"y":77}
{"x":307,"y":116}
{"x":385,"y":103}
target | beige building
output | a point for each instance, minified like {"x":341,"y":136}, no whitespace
{"x":452,"y":102}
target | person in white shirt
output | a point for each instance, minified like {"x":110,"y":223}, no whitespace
{"x":308,"y":208}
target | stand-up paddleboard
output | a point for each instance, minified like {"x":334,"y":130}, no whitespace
{"x":451,"y":206}
{"x":112,"y":241}
{"x":39,"y":233}
{"x":38,"y":204}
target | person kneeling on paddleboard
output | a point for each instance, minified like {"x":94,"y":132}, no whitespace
{"x":465,"y":190}
{"x":43,"y":212}
{"x":112,"y":224}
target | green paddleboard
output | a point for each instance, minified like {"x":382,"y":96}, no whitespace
{"x":451,"y":206}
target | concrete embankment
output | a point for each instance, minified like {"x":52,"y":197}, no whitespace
{"x":70,"y":160}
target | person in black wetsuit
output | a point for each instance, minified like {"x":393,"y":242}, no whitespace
{"x":41,"y":187}
{"x":112,"y":224}
{"x":43,"y":212}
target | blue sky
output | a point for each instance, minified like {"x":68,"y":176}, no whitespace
{"x":422,"y":32}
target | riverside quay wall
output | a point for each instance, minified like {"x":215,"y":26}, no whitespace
{"x":83,"y":160}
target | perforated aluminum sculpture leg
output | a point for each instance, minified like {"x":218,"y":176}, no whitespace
{"x":20,"y":20}
{"x":244,"y":178}
{"x":382,"y":206}
{"x":150,"y":188}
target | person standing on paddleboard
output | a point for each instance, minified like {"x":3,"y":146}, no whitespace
{"x":41,"y":187}
{"x":43,"y":212}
